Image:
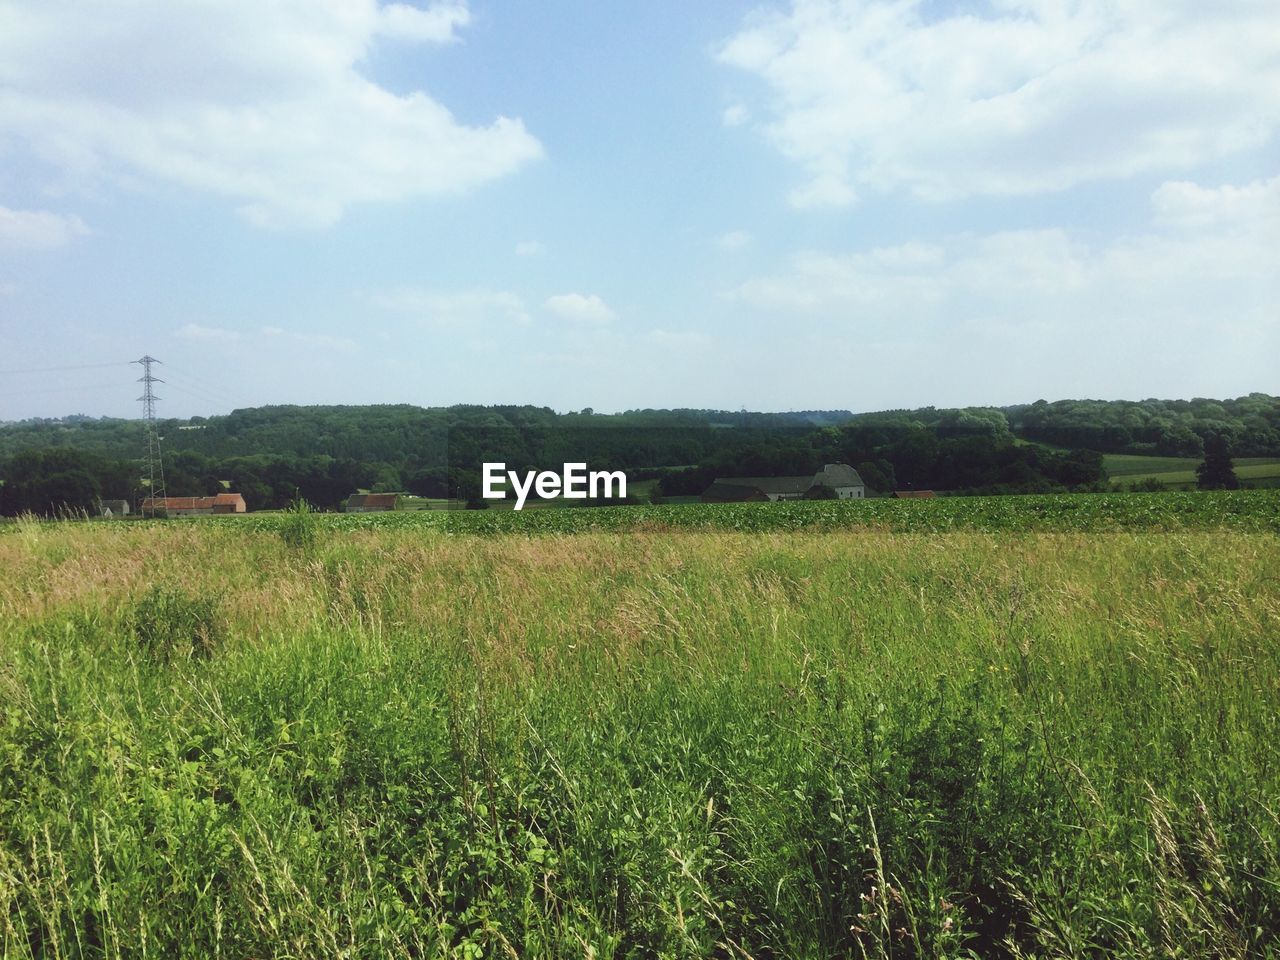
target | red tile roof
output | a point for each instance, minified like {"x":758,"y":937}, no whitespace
{"x":233,"y":500}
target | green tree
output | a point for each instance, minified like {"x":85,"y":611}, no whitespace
{"x":1217,"y":471}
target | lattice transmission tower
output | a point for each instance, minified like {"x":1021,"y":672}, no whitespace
{"x":153,"y":475}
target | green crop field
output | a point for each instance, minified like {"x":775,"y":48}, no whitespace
{"x":1128,"y":465}
{"x":1019,"y":727}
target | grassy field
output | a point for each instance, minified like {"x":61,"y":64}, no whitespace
{"x":1180,"y":472}
{"x":368,"y":736}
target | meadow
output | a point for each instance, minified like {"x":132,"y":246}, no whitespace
{"x":1022,"y":727}
{"x":1180,"y":472}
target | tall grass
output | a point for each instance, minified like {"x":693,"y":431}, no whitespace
{"x":676,"y":743}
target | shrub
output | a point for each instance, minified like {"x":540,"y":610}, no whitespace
{"x":300,"y":528}
{"x":169,"y":623}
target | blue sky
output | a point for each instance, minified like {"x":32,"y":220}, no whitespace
{"x":824,"y":203}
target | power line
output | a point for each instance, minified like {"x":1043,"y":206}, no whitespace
{"x":200,"y":395}
{"x":214,"y":390}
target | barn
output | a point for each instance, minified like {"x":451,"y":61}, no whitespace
{"x":840,"y":477}
{"x":221,"y":503}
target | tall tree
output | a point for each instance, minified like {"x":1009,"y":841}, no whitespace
{"x":1217,"y":472}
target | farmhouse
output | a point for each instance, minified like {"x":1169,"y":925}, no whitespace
{"x":840,"y":477}
{"x":195,"y":506}
{"x":372,"y":502}
{"x":113,"y":508}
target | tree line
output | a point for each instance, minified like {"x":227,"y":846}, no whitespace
{"x":273,"y":455}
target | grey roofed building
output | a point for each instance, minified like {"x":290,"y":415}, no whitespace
{"x":113,"y":508}
{"x":840,"y":477}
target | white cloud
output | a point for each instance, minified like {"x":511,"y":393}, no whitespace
{"x":262,"y":103}
{"x":433,"y":25}
{"x":735,"y":116}
{"x":579,"y":307}
{"x":38,"y":229}
{"x":194,"y":331}
{"x":530,"y":248}
{"x":1186,"y":308}
{"x":1180,"y":203}
{"x":467,"y":308}
{"x":733,"y":240}
{"x":1031,"y":96}
{"x":1198,"y":287}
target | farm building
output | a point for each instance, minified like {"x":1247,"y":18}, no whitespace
{"x":914,"y":494}
{"x":195,"y":506}
{"x":113,"y":508}
{"x":733,"y":491}
{"x":372,"y":502}
{"x":840,"y":477}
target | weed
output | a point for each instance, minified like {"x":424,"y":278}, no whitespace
{"x":299,"y":526}
{"x":169,"y":623}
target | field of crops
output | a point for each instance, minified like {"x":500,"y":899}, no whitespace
{"x":1239,"y":510}
{"x":1021,"y":727}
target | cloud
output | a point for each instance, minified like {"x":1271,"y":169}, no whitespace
{"x":1184,"y":204}
{"x":264,"y":104}
{"x":1027,"y":97}
{"x":194,"y":331}
{"x":733,"y":240}
{"x":1186,"y":306}
{"x":467,"y":308}
{"x":433,"y":25}
{"x":1199,"y":283}
{"x":735,"y":116}
{"x":579,"y":307}
{"x":38,"y":229}
{"x":530,"y":248}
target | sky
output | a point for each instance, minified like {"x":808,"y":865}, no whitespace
{"x":821,"y":204}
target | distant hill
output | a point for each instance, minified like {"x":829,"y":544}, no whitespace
{"x":396,"y":432}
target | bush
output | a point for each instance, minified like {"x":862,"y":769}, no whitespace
{"x":300,"y":528}
{"x":169,"y":623}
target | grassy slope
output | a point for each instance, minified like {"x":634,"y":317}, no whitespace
{"x":1260,"y":472}
{"x":676,"y":742}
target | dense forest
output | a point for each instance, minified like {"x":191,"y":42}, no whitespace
{"x":273,"y":455}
